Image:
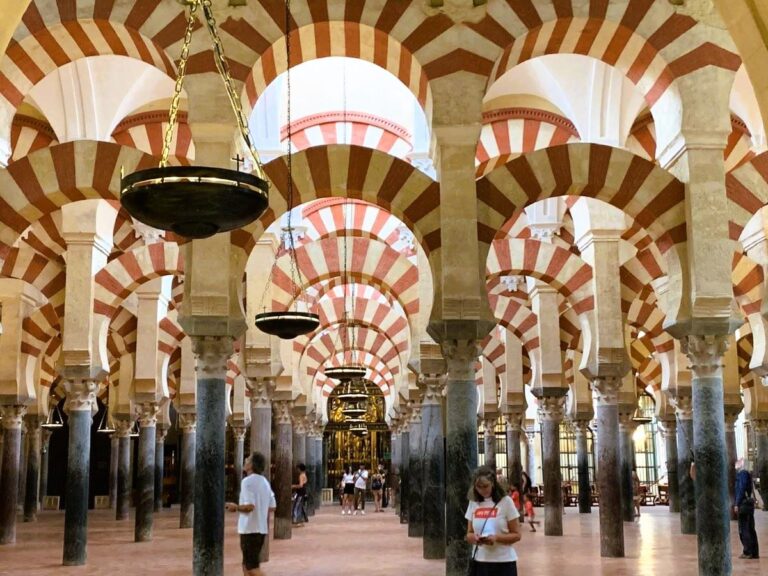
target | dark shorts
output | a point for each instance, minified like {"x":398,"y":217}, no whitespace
{"x":251,"y":544}
{"x":495,"y":569}
{"x":349,"y":488}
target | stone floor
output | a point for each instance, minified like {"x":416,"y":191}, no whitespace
{"x":375,"y":544}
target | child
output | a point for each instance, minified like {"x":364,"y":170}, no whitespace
{"x":530,"y":513}
{"x":515,"y":495}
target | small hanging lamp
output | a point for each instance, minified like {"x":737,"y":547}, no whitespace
{"x":197,"y":201}
{"x":104,"y":427}
{"x":54,"y":419}
{"x":292,"y":323}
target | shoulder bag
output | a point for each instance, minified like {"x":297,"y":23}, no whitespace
{"x":472,"y":567}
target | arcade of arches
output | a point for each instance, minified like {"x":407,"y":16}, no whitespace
{"x":543,"y":221}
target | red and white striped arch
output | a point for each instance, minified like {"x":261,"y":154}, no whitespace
{"x":748,"y":283}
{"x":145,"y":131}
{"x":747,"y":190}
{"x":517,"y":318}
{"x":508,"y":132}
{"x":122,"y":334}
{"x":29,"y":134}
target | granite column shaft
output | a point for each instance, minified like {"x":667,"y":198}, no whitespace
{"x":123,"y":469}
{"x":31,"y":494}
{"x":159,"y":468}
{"x":627,"y":460}
{"x":283,"y":470}
{"x":145,"y":503}
{"x":582,"y":462}
{"x":609,"y":473}
{"x":239,"y":458}
{"x":433,"y":502}
{"x":188,"y":424}
{"x":514,"y":461}
{"x":114,"y":460}
{"x":405,"y":462}
{"x":684,"y":480}
{"x":761,"y":465}
{"x":44,"y":450}
{"x":416,"y":477}
{"x":12,"y":421}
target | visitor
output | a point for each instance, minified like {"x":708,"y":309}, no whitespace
{"x":299,"y":514}
{"x":514,"y":493}
{"x":361,"y":483}
{"x":377,"y":487}
{"x":347,"y":491}
{"x":492,"y":526}
{"x":525,"y":483}
{"x":256,"y":501}
{"x":636,"y":495}
{"x":530,"y":512}
{"x":745,"y":509}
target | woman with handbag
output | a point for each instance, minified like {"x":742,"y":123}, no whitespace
{"x":492,"y":526}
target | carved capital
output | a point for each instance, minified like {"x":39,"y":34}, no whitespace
{"x":283,"y":411}
{"x":705,"y":353}
{"x":432,"y":388}
{"x":33,"y":424}
{"x":514,"y":422}
{"x":161,"y":434}
{"x":605,"y":390}
{"x":212,"y":354}
{"x":147,"y":413}
{"x":262,"y":390}
{"x":415,"y":414}
{"x":489,"y":422}
{"x":551,"y":408}
{"x":188,"y":422}
{"x":461,"y":355}
{"x":580,"y":427}
{"x":683,"y":407}
{"x":123,"y":428}
{"x":300,"y":425}
{"x":13,"y":416}
{"x":668,"y":428}
{"x":81,"y":395}
{"x":760,"y":426}
{"x":238,"y":432}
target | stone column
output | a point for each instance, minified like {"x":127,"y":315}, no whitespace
{"x":45,"y":447}
{"x":114,"y":462}
{"x":415,"y":475}
{"x":161,"y":433}
{"x":123,"y":503}
{"x":582,"y":461}
{"x":188,"y":425}
{"x":319,"y":474}
{"x":261,"y":431}
{"x":551,"y":411}
{"x":730,"y":444}
{"x":81,"y":406}
{"x":309,"y":450}
{"x":626,"y":428}
{"x":208,"y":522}
{"x":530,"y":437}
{"x":711,"y":485}
{"x":683,"y":410}
{"x":514,"y":458}
{"x":489,"y":440}
{"x":283,"y":470}
{"x":238,"y":432}
{"x":433,"y":502}
{"x":394,"y":476}
{"x":31,"y":494}
{"x":761,"y":465}
{"x":605,"y":393}
{"x":405,"y":462}
{"x":22,"y":485}
{"x":298,"y":444}
{"x":13,"y":417}
{"x":145,"y":504}
{"x":461,"y":447}
{"x":669,"y":431}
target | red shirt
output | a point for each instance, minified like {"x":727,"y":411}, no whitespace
{"x":516,"y":498}
{"x":529,"y":509}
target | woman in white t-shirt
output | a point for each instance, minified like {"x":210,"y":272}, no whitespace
{"x":492,"y":526}
{"x":347,"y":491}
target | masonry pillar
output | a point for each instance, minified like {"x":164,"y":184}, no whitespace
{"x":606,"y":397}
{"x":551,"y":411}
{"x":582,"y":461}
{"x":13,"y":417}
{"x":238,"y":433}
{"x":145,"y":503}
{"x":123,"y":502}
{"x":31,"y":494}
{"x":114,"y":462}
{"x":669,"y":431}
{"x":683,"y":410}
{"x":188,"y":426}
{"x":626,"y":429}
{"x":433,"y":494}
{"x":161,"y":433}
{"x":81,"y":406}
{"x":45,"y":447}
{"x":416,"y":474}
{"x":283,"y":469}
{"x":22,"y":485}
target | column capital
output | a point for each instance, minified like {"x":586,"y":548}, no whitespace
{"x":705,"y":353}
{"x":33,"y":423}
{"x":283,"y":411}
{"x":262,"y":390}
{"x":730,"y":418}
{"x":460,"y":356}
{"x":212,"y":353}
{"x":684,"y":407}
{"x":13,"y":416}
{"x":626,"y":421}
{"x":580,"y":426}
{"x":188,"y":422}
{"x":551,"y":408}
{"x":300,"y":425}
{"x":431,"y":386}
{"x":238,"y":432}
{"x":415,"y":413}
{"x":605,"y":390}
{"x":147,"y":413}
{"x":668,"y":428}
{"x":123,"y":428}
{"x":489,"y":421}
{"x":760,"y":426}
{"x":161,"y":434}
{"x":81,"y":395}
{"x":514,"y":421}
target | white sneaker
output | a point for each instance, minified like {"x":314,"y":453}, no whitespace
{"x":355,"y":513}
{"x":362,"y":512}
{"x":343,"y":512}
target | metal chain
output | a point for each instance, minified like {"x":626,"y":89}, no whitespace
{"x":174,"y":111}
{"x":222,"y":65}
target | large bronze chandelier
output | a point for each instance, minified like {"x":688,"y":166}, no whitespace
{"x":197,"y":201}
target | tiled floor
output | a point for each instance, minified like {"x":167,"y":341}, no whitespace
{"x":374,"y":545}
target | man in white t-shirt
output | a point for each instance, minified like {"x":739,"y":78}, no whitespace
{"x":256,"y":501}
{"x":361,"y":483}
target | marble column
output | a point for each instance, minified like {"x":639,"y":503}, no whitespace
{"x":669,"y":431}
{"x":730,"y":444}
{"x":761,"y":465}
{"x":394,"y":476}
{"x":489,"y":441}
{"x":416,"y":476}
{"x":114,"y":462}
{"x":405,"y":462}
{"x":31,"y":493}
{"x":309,"y":451}
{"x":582,"y":461}
{"x":711,"y":486}
{"x":298,"y":444}
{"x":433,"y":502}
{"x":188,"y":425}
{"x":283,"y":470}
{"x":161,"y":433}
{"x":514,"y":458}
{"x":208,"y":521}
{"x":319,"y":471}
{"x":551,"y":411}
{"x":123,"y":503}
{"x":626,"y":428}
{"x":261,"y":432}
{"x":145,"y":503}
{"x":13,"y":417}
{"x":461,"y":447}
{"x":44,"y":449}
{"x":22,"y":485}
{"x":605,"y":396}
{"x":530,"y":436}
{"x":80,"y":406}
{"x":238,"y":432}
{"x":684,"y":452}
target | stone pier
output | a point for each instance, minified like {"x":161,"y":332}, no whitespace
{"x":188,"y":426}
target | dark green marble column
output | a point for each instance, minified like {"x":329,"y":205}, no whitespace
{"x":433,"y":495}
{"x":145,"y":503}
{"x":13,"y":417}
{"x":31,"y":498}
{"x":283,"y":470}
{"x":684,"y":452}
{"x":582,"y":461}
{"x":188,"y":426}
